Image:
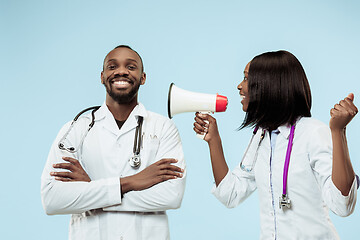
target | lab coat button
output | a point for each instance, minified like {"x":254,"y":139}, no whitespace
{"x":121,"y":238}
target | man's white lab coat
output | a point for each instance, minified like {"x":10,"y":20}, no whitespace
{"x":97,"y":208}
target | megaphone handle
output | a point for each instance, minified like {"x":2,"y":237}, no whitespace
{"x":202,"y":136}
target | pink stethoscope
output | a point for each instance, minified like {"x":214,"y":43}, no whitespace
{"x":284,"y":200}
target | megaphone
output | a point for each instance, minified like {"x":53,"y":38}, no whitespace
{"x":180,"y":101}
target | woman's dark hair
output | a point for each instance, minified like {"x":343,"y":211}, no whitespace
{"x":278,"y":89}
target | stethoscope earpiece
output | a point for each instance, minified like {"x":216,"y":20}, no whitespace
{"x":72,"y":149}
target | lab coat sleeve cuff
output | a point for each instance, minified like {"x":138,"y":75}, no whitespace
{"x":114,"y":190}
{"x":217,"y":190}
{"x":344,"y":205}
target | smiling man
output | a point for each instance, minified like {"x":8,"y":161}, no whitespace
{"x":128,"y":169}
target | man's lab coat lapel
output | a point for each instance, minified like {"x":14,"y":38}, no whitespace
{"x":105,"y":116}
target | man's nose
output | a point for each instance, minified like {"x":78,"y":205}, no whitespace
{"x":121,"y":71}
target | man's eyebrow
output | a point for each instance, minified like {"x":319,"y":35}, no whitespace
{"x":110,"y":60}
{"x":132,"y":60}
{"x":128,"y":59}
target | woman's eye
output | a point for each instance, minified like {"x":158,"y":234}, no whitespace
{"x":245,"y":78}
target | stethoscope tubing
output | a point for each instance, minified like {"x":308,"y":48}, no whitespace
{"x":256,"y":152}
{"x":134,"y":161}
{"x":72,"y":149}
{"x":287,"y":157}
{"x":138,"y":140}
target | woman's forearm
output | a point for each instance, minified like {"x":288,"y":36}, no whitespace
{"x":219,"y":166}
{"x":342,"y":171}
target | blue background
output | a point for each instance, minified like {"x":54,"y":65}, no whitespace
{"x":51,"y":58}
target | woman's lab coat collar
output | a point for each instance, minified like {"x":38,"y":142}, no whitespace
{"x":285,"y":129}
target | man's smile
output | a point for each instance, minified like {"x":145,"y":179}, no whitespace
{"x":121,"y":82}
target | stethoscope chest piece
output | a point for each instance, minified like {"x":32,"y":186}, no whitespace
{"x":135,"y":161}
{"x":284,"y":201}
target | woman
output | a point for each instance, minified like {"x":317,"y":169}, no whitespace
{"x":300,"y":166}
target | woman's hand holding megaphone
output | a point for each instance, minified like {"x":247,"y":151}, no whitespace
{"x":206,"y":124}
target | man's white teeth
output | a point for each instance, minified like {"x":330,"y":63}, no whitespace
{"x":121,"y":83}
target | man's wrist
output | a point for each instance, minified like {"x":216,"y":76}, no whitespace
{"x":125,"y":185}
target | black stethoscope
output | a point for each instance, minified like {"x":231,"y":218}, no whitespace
{"x":134,"y":161}
{"x":284,"y":200}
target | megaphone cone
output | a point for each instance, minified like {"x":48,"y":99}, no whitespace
{"x":180,"y":101}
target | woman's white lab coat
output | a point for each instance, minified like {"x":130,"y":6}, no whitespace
{"x":309,"y":184}
{"x":97,"y":208}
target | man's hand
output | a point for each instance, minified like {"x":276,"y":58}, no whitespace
{"x":342,"y":113}
{"x":76,"y":174}
{"x":157,"y":172}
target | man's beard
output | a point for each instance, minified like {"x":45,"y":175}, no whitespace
{"x":122,"y":98}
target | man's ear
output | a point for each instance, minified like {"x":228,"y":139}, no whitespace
{"x":143,"y":78}
{"x":102,"y":80}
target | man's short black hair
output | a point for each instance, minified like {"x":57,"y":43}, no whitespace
{"x":279,"y":91}
{"x":128,"y":47}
